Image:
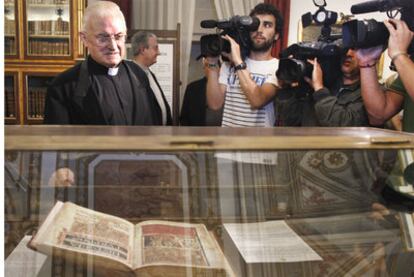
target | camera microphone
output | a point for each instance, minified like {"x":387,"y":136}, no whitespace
{"x":380,"y":6}
{"x":208,"y":24}
{"x":367,"y":7}
{"x":248,"y":22}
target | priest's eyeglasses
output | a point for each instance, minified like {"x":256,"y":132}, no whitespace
{"x":104,"y":39}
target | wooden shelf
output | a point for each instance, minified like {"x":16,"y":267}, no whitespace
{"x":50,"y":36}
{"x":50,"y":6}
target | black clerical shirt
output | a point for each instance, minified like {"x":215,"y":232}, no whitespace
{"x":114,"y":93}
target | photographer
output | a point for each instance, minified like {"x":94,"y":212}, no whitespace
{"x":340,"y":105}
{"x":381,"y":105}
{"x":247,"y":88}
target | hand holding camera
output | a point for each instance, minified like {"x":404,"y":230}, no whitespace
{"x":368,"y":57}
{"x":234,"y":56}
{"x":400,"y":37}
{"x":317,"y":75}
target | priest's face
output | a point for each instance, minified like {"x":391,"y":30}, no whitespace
{"x":105,"y":40}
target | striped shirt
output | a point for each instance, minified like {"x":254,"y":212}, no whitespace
{"x":237,"y":110}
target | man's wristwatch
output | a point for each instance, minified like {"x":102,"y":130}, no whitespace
{"x":240,"y":66}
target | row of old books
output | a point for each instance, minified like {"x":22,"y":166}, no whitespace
{"x":9,"y":26}
{"x":46,"y":47}
{"x":10,"y":46}
{"x":9,"y":102}
{"x":36,"y":103}
{"x":59,"y":2}
{"x":48,"y":27}
{"x":9,"y":2}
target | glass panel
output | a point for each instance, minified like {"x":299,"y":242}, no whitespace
{"x":331,"y":199}
{"x":10,"y":40}
{"x":36,"y":94}
{"x":48,"y":27}
{"x":9,"y":97}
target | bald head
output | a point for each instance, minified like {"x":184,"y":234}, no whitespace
{"x":100,"y":10}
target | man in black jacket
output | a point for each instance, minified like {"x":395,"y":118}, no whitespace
{"x":145,"y":49}
{"x":104,"y":89}
{"x":195,"y":111}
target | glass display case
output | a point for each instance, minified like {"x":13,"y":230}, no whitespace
{"x":48,"y":28}
{"x":277,"y":201}
{"x":10,"y":31}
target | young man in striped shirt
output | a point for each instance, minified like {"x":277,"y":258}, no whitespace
{"x":247,"y":88}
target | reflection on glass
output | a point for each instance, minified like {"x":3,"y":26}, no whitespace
{"x":400,"y":182}
{"x":48,"y":27}
{"x":10,"y":41}
{"x":330,"y":198}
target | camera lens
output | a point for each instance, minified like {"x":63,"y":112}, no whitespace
{"x":364,"y":34}
{"x":291,"y":70}
{"x":214,"y":46}
{"x":210,"y":45}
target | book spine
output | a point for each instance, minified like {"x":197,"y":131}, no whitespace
{"x":30,"y":106}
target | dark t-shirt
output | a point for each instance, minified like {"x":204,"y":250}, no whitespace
{"x":408,"y":118}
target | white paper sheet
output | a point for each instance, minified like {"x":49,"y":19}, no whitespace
{"x":269,"y":242}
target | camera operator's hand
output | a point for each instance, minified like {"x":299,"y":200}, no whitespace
{"x":211,"y":64}
{"x":234,"y":56}
{"x":317,"y":76}
{"x":369,"y":56}
{"x":400,"y":37}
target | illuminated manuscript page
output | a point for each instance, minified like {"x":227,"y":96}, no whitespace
{"x":179,"y":244}
{"x":82,"y":230}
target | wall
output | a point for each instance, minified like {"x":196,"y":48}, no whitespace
{"x":299,"y":7}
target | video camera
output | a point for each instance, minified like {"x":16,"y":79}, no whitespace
{"x":293,"y":65}
{"x":370,"y":33}
{"x":237,"y":27}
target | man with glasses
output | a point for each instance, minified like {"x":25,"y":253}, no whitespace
{"x":104,"y":89}
{"x":145,"y":50}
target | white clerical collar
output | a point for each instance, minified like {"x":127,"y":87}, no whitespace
{"x":113,"y":71}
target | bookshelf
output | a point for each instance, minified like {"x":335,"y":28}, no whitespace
{"x":47,"y":28}
{"x":10,"y":31}
{"x":34,"y":95}
{"x":41,"y":39}
{"x":11,"y":107}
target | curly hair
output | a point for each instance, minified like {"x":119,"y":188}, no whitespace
{"x":263,"y":8}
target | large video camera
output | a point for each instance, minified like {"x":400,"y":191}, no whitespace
{"x":237,"y":27}
{"x":370,"y":33}
{"x":293,"y":65}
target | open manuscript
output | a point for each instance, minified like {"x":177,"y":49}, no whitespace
{"x":150,"y":247}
